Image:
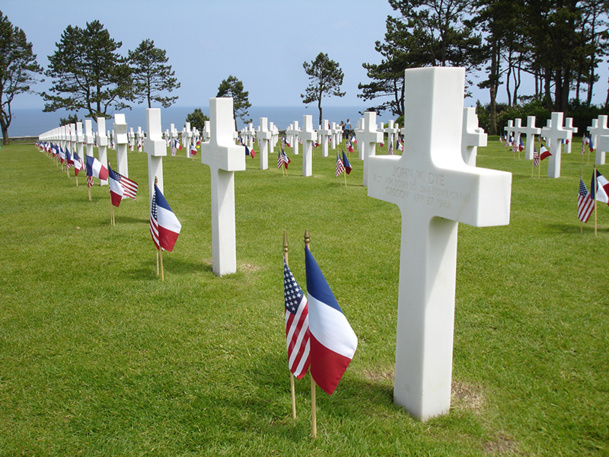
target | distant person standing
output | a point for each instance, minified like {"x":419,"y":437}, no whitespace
{"x":347,"y":129}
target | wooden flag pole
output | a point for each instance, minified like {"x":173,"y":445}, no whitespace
{"x":307,"y":240}
{"x":157,"y":262}
{"x":595,"y":205}
{"x":345,"y":173}
{"x":112,"y":214}
{"x":162,"y":271}
{"x":292,"y":387}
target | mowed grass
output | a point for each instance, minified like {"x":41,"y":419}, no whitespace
{"x":99,"y":357}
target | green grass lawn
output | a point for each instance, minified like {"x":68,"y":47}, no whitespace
{"x":99,"y":357}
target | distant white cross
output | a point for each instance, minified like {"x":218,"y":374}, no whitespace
{"x":102,"y":144}
{"x":308,"y":137}
{"x":155,"y":147}
{"x":554,"y":133}
{"x":472,"y":136}
{"x":368,"y":138}
{"x":598,"y":129}
{"x":120,"y":135}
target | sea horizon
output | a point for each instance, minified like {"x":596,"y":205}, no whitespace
{"x":33,"y":121}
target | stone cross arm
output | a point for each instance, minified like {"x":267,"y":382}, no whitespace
{"x":475,"y":196}
{"x":221,"y":152}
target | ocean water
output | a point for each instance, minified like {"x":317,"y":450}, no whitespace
{"x":32,"y":122}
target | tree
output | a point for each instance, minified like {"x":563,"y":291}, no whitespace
{"x":325,"y":79}
{"x":18,"y":70}
{"x":151,"y":74}
{"x":71,"y":119}
{"x":232,"y":87}
{"x":88,"y":72}
{"x":197,"y":119}
{"x":426,"y":32}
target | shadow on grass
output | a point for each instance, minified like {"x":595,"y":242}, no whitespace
{"x":172,"y":266}
{"x":576,"y":228}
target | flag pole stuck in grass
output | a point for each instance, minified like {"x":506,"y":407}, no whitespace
{"x":333,"y":341}
{"x":164,"y":225}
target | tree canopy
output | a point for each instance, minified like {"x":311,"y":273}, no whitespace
{"x":232,"y":87}
{"x":197,"y":119}
{"x":88,"y":73}
{"x":152,"y":75}
{"x":325,"y":79}
{"x":18,"y":70}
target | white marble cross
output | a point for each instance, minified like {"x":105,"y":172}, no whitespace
{"x":367,"y":139}
{"x":435,"y":190}
{"x":510,"y":130}
{"x":89,"y":138}
{"x":569,"y":126}
{"x":308,"y":136}
{"x":263,"y":137}
{"x":186,"y":136}
{"x":554,"y":133}
{"x":154,"y":146}
{"x":120,"y":129}
{"x":361,"y":147}
{"x":224,"y":157}
{"x":139,"y":138}
{"x":80,"y":141}
{"x":324,"y":133}
{"x":336,"y":132}
{"x":102,"y":144}
{"x":294,"y":131}
{"x":472,"y":137}
{"x":392,"y":134}
{"x":598,"y":129}
{"x":530,"y":131}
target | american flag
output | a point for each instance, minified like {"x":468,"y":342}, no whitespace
{"x":279,"y":159}
{"x":585,"y":203}
{"x":535,"y":159}
{"x":390,"y":150}
{"x":154,"y":222}
{"x":296,"y":325}
{"x":129,"y":186}
{"x":340,"y":167}
{"x":89,"y":181}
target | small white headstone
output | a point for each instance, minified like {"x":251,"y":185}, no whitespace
{"x":308,"y":137}
{"x":570,"y":128}
{"x":324,"y":133}
{"x":598,"y":129}
{"x":120,"y":128}
{"x":554,"y":133}
{"x":263,"y":135}
{"x":223,"y":157}
{"x":472,"y":136}
{"x":154,"y":146}
{"x":102,"y":144}
{"x":367,"y":139}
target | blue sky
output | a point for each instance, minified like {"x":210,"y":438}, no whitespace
{"x":262,"y":42}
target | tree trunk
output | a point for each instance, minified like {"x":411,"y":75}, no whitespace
{"x":493,"y":78}
{"x":5,"y":139}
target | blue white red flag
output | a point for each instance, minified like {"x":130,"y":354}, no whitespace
{"x":164,"y":225}
{"x":521,"y":145}
{"x":544,"y":153}
{"x":296,"y":325}
{"x":78,"y":164}
{"x":599,"y":189}
{"x":193,"y":149}
{"x":116,"y":190}
{"x":333,"y":342}
{"x":96,"y":169}
{"x":591,"y":145}
{"x":346,"y":163}
{"x":286,"y":159}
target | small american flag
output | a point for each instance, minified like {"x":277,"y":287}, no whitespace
{"x":340,"y":167}
{"x":89,"y":181}
{"x":535,"y":159}
{"x":585,"y":203}
{"x":154,"y":223}
{"x":390,"y":150}
{"x":279,"y":159}
{"x":296,"y":325}
{"x":129,"y":186}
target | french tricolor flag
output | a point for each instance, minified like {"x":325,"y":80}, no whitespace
{"x":164,"y":225}
{"x":96,"y":169}
{"x":116,"y":190}
{"x":333,"y":342}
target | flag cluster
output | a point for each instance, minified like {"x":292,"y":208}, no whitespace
{"x":318,"y":334}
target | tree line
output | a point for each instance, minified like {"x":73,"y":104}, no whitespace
{"x":559,"y":43}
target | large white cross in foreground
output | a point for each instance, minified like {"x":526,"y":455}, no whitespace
{"x":435,"y":190}
{"x":224,"y":157}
